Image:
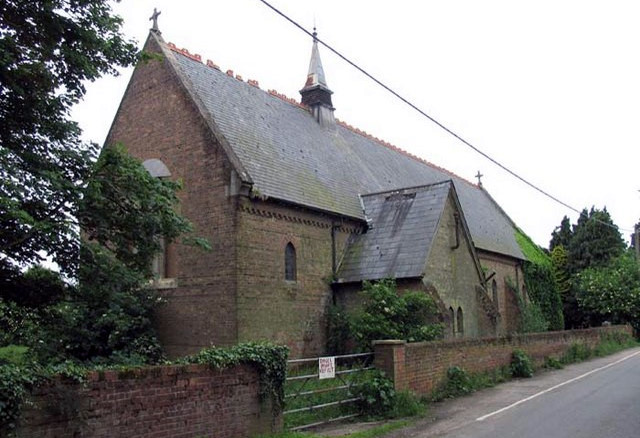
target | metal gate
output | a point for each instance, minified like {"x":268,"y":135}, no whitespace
{"x":319,"y":390}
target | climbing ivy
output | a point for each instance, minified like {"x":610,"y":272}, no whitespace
{"x":18,"y":380}
{"x":540,"y":282}
{"x":269,"y":359}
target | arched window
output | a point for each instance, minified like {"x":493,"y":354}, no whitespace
{"x":452,"y":315}
{"x":159,"y":263}
{"x":460,"y":322}
{"x":290,"y":262}
{"x":494,"y":290}
{"x":158,"y":169}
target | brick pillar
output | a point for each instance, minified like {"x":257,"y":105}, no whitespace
{"x":389,"y":358}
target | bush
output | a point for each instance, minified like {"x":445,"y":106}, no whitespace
{"x":458,"y":383}
{"x":576,"y":352}
{"x":377,"y":396}
{"x":338,"y":331}
{"x":13,"y":354}
{"x":406,"y":404}
{"x":521,"y":365}
{"x":552,"y":363}
{"x":15,"y":384}
{"x":387,"y":315}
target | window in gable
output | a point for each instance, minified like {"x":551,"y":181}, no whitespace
{"x":290,"y":273}
{"x":452,"y":315}
{"x":160,"y":263}
{"x":460,"y":322}
{"x":494,"y":290}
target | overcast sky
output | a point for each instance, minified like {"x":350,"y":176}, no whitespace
{"x":551,"y":89}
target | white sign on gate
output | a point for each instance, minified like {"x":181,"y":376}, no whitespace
{"x":327,"y":367}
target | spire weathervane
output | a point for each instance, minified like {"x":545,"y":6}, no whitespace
{"x":154,"y":17}
{"x":479,"y":176}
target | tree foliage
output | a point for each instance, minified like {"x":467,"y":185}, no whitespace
{"x":53,"y":189}
{"x":125,"y":210}
{"x":595,"y":240}
{"x":106,"y":315}
{"x":593,"y":243}
{"x":612,"y":291}
{"x":561,"y":236}
{"x":49,"y":49}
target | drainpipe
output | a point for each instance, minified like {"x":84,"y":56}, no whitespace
{"x":334,"y":228}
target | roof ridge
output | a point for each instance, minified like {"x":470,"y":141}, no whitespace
{"x":252,"y":82}
{"x":400,"y":150}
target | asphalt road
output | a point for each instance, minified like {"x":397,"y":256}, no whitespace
{"x":598,"y":398}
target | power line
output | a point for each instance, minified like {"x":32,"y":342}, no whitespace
{"x":424,"y":114}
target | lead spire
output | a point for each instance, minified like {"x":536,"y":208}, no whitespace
{"x":315,"y":93}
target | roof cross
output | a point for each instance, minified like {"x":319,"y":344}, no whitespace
{"x":479,"y":176}
{"x":154,"y":17}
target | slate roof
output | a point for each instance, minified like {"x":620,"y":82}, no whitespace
{"x":404,"y":224}
{"x":287,"y":155}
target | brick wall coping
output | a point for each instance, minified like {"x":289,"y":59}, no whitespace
{"x":516,"y":338}
{"x":389,"y":342}
{"x":148,"y":371}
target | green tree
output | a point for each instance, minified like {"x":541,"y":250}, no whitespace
{"x":613,"y":291}
{"x":591,"y":243}
{"x":636,"y":231}
{"x":53,"y":188}
{"x":561,"y":235}
{"x":595,"y":240}
{"x":49,"y":49}
{"x":107,"y":315}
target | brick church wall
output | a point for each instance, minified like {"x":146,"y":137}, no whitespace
{"x":270,"y":307}
{"x":157,"y":119}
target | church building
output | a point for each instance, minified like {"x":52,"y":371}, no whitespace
{"x":301,"y":208}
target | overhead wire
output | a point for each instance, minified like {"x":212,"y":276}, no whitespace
{"x":429,"y":117}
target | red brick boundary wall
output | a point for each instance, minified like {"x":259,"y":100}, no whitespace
{"x":421,"y":366}
{"x":159,"y":402}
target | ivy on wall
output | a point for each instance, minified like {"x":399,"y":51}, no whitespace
{"x":539,"y":281}
{"x":18,"y":378}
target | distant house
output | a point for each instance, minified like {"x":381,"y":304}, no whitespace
{"x":301,"y":208}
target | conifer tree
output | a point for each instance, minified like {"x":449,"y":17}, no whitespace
{"x":595,"y":240}
{"x":561,"y":235}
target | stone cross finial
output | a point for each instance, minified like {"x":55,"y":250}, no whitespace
{"x":479,"y":176}
{"x":154,"y":17}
